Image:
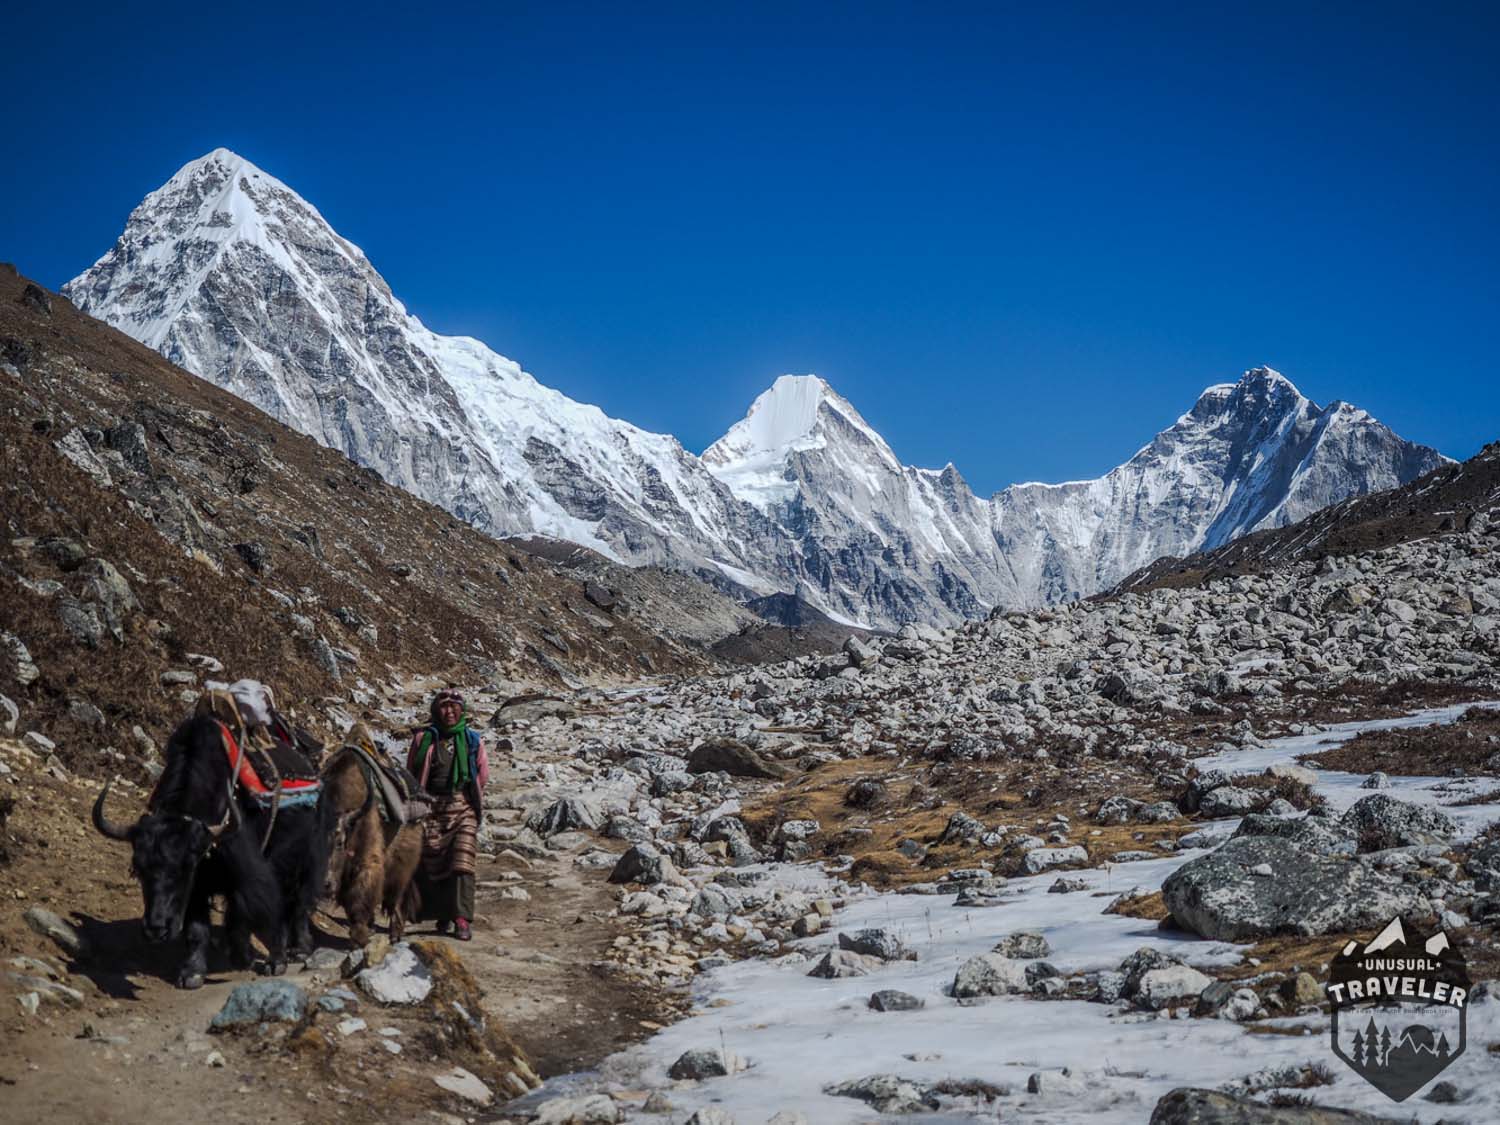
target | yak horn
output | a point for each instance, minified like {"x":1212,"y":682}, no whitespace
{"x":106,"y":826}
{"x":230,"y":814}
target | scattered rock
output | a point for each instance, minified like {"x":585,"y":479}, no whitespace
{"x":466,"y":1085}
{"x":879,"y":943}
{"x":1380,"y":821}
{"x":261,"y":1001}
{"x":887,"y":1093}
{"x":729,"y":755}
{"x":400,"y":978}
{"x":989,"y":974}
{"x":839,"y":963}
{"x":701,"y":1063}
{"x":892,"y":1000}
{"x":1188,"y":1106}
{"x":1023,"y":945}
{"x":1161,"y":988}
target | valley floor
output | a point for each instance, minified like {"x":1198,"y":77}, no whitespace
{"x":605,"y":987}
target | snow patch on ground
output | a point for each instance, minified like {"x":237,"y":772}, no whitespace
{"x":800,"y":1034}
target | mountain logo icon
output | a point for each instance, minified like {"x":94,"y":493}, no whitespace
{"x":1399,"y":1007}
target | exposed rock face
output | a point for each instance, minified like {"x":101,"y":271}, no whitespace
{"x":232,"y":275}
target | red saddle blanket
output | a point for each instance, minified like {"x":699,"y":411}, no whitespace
{"x":297,"y":777}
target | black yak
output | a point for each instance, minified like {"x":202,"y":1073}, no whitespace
{"x":198,"y":840}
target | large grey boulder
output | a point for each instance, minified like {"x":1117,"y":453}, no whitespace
{"x":1188,"y":1106}
{"x":1380,"y":821}
{"x":1320,"y":834}
{"x":1227,"y":895}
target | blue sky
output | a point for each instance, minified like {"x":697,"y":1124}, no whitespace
{"x":1018,"y":240}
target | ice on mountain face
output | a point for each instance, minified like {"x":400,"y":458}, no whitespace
{"x":799,"y":414}
{"x":232,"y":275}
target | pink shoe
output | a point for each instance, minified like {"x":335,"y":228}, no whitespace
{"x":461,"y":929}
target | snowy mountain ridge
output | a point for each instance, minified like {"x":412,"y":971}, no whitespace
{"x":232,"y":275}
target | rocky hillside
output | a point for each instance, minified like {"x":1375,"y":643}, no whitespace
{"x":231,"y":274}
{"x":1448,"y":500}
{"x":160,"y":531}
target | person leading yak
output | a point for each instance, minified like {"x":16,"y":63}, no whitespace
{"x":448,"y":760}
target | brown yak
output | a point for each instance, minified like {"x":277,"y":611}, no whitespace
{"x":373,"y":860}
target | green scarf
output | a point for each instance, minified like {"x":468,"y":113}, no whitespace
{"x":459,"y":732}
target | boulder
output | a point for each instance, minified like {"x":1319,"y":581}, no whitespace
{"x":961,"y":829}
{"x":860,"y":654}
{"x":531,"y":708}
{"x":702,"y":1062}
{"x":989,"y":974}
{"x":730,"y":756}
{"x":644,"y":864}
{"x":564,"y":814}
{"x":1023,"y":945}
{"x":893,"y":1000}
{"x":261,"y":1001}
{"x":1189,"y":1106}
{"x":1380,"y":821}
{"x":1043,"y":859}
{"x":587,"y":1109}
{"x":47,"y":924}
{"x":1220,"y":896}
{"x":1144,"y":960}
{"x":1174,"y":984}
{"x":1228,"y":800}
{"x":886,"y":1093}
{"x":877,"y":943}
{"x":1319,"y":834}
{"x":466,"y":1085}
{"x":1117,"y":810}
{"x":400,"y":978}
{"x":840,"y":963}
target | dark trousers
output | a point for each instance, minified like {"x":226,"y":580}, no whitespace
{"x":443,"y":900}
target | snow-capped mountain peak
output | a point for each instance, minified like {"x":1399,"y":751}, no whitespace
{"x":231,"y":274}
{"x":798,"y":414}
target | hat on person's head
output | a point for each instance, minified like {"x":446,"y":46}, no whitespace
{"x":447,"y":695}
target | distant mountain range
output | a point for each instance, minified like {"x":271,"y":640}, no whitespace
{"x":231,"y":274}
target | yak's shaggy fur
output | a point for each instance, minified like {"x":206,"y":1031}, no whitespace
{"x":373,"y":860}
